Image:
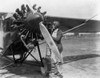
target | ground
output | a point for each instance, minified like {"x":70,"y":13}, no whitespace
{"x":81,"y":57}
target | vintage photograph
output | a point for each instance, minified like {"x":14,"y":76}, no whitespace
{"x":49,"y":39}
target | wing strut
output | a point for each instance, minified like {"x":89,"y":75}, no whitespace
{"x":79,"y":24}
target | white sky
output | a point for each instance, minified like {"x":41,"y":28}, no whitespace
{"x":62,"y":8}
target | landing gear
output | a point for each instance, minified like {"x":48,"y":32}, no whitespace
{"x":46,"y":69}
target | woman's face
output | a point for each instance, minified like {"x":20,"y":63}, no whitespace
{"x":55,"y":24}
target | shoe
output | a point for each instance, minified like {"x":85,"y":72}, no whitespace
{"x":59,"y":75}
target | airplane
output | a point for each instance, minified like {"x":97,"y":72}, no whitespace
{"x":24,"y":25}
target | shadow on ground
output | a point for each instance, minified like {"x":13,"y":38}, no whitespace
{"x":30,"y":69}
{"x":68,"y":59}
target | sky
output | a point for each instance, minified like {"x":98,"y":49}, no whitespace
{"x":62,"y":8}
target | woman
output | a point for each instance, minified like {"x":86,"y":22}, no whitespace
{"x":57,"y":35}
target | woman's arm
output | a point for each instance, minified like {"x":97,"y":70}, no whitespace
{"x":59,"y":35}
